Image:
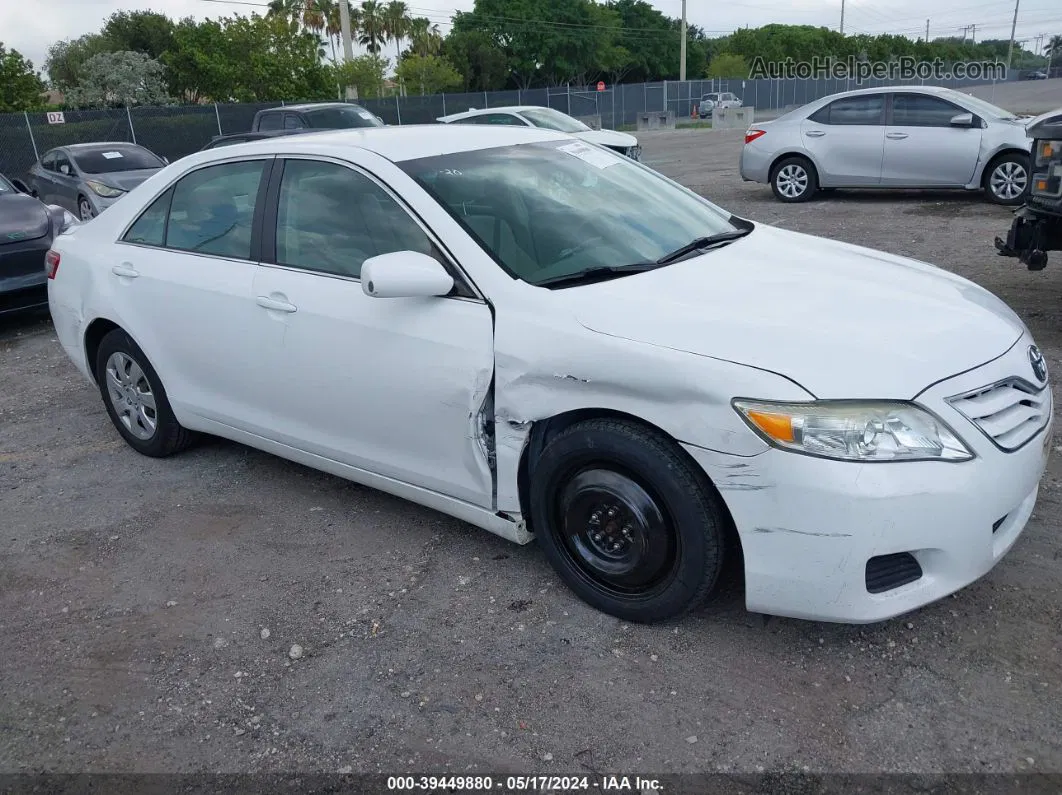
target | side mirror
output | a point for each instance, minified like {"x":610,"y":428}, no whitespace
{"x":20,"y":186}
{"x":64,"y":169}
{"x":962,"y":120}
{"x":404,"y":274}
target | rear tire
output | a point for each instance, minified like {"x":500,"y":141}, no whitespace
{"x":136,"y":400}
{"x":794,"y":180}
{"x":629,"y":523}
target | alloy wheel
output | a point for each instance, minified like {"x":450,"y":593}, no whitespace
{"x":131,"y":396}
{"x":1008,"y":180}
{"x":792,"y":181}
{"x":84,"y":210}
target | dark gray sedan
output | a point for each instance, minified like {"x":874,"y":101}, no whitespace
{"x":88,"y":178}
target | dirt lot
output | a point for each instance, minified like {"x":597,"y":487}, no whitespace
{"x":136,"y":593}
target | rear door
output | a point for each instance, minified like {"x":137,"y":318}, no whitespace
{"x":846,"y":139}
{"x":181,"y":280}
{"x":923,"y":147}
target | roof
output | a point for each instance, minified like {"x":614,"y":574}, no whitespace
{"x":397,"y":144}
{"x":97,"y":145}
{"x":502,"y":109}
{"x":310,"y":106}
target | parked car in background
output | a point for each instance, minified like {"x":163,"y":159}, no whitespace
{"x":717,"y":99}
{"x":898,"y":137}
{"x":86,"y":179}
{"x":1040,"y":74}
{"x":555,"y":343}
{"x":27,"y":229}
{"x":548,"y":119}
{"x":240,"y":138}
{"x":315,"y":116}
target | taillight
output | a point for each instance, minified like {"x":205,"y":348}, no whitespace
{"x":51,"y":263}
{"x":752,"y":135}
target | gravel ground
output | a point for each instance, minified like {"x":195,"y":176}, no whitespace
{"x":149,"y":609}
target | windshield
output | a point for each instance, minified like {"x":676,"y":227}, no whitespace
{"x":553,"y":120}
{"x":546,"y":210}
{"x":342,"y":118}
{"x":113,"y":158}
{"x":983,"y":108}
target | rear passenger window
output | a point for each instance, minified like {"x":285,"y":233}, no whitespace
{"x":212,"y":209}
{"x":866,"y":109}
{"x":150,"y":228}
{"x":331,"y":219}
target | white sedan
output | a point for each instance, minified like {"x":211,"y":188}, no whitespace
{"x":554,"y":342}
{"x":548,"y":119}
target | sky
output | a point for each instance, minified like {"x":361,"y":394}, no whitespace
{"x":31,"y":32}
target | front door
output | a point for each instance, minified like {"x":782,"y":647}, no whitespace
{"x":923,"y":148}
{"x":846,"y":139}
{"x":394,"y":386}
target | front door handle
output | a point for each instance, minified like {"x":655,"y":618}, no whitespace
{"x":896,"y":136}
{"x":277,"y":306}
{"x":126,"y":270}
{"x":814,"y":133}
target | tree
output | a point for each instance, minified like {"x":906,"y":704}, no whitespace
{"x":120,"y":78}
{"x":366,"y":73}
{"x":727,"y":65}
{"x":482,"y":65}
{"x":424,"y":37}
{"x":373,"y":26}
{"x":139,"y":31}
{"x":430,"y":73}
{"x":21,"y":88}
{"x":1053,"y":50}
{"x":397,"y":25}
{"x":66,"y":58}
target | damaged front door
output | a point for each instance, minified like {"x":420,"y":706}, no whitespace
{"x":395,"y":386}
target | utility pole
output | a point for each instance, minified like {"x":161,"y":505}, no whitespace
{"x":927,"y":31}
{"x":842,"y":17}
{"x":348,"y":45}
{"x":973,"y":34}
{"x":1013,"y":25}
{"x":682,"y":47}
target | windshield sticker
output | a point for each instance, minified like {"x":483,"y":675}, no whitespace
{"x":112,"y":155}
{"x":590,"y":154}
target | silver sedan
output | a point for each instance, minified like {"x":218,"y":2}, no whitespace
{"x":918,"y":137}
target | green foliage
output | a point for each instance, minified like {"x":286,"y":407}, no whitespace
{"x":366,"y":73}
{"x":20,"y":86}
{"x":727,"y":65}
{"x":482,"y":66}
{"x":139,"y":31}
{"x":428,"y":74}
{"x":65,"y":59}
{"x":111,"y":79}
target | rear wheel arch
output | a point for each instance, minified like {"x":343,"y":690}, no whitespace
{"x":94,"y":334}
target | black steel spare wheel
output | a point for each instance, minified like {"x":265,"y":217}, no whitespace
{"x":627,"y":520}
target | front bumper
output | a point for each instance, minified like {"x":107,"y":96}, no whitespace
{"x":857,"y":543}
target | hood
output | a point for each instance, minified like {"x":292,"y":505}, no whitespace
{"x":608,"y":138}
{"x":126,"y":180}
{"x":22,"y":217}
{"x":841,"y":320}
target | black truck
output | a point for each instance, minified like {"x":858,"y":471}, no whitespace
{"x":315,"y":116}
{"x":1037,"y":225}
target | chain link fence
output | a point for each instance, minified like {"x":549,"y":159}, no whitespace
{"x":175,"y":131}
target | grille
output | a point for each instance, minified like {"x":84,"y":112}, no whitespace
{"x":886,"y":572}
{"x":1010,"y":413}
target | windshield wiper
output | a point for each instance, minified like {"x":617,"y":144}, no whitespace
{"x":599,"y":273}
{"x":695,"y":246}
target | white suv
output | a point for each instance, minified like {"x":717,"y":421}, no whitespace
{"x":717,"y":99}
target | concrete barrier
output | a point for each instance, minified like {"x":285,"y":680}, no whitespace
{"x":660,"y":120}
{"x":733,"y":118}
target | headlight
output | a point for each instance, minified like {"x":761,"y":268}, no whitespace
{"x":854,"y":430}
{"x":106,"y":191}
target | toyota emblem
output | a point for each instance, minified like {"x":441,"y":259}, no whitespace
{"x":1039,"y":366}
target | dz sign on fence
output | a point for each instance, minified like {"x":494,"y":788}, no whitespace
{"x":56,"y":118}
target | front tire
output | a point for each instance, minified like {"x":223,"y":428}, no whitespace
{"x":1006,"y":179}
{"x":136,"y":400}
{"x":84,"y":209}
{"x":794,"y":180}
{"x":629,"y":523}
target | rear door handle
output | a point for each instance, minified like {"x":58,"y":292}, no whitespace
{"x":277,"y":306}
{"x":814,"y":133}
{"x":896,"y":136}
{"x":126,"y":270}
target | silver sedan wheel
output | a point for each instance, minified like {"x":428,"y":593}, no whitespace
{"x":792,"y":181}
{"x":1008,"y":180}
{"x":84,"y":210}
{"x":131,"y":396}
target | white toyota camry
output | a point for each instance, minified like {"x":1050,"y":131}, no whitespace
{"x":551,"y":341}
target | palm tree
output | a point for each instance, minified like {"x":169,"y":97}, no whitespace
{"x":289,"y":10}
{"x":1053,"y":49}
{"x":424,"y":37}
{"x":373,"y":26}
{"x":396,"y":18}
